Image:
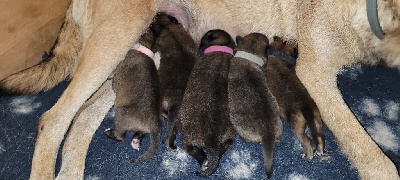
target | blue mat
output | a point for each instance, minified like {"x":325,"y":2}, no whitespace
{"x":372,"y":93}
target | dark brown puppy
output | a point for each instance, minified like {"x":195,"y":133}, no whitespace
{"x":254,"y":111}
{"x":178,"y":53}
{"x":137,"y":103}
{"x":204,"y":113}
{"x":295,"y":104}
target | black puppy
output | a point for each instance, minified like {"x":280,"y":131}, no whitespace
{"x":178,"y":53}
{"x":204,"y":115}
{"x":137,"y":103}
{"x":295,"y":103}
{"x":254,"y":111}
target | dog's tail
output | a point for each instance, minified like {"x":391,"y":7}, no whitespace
{"x":44,"y":76}
{"x":211,"y":163}
{"x":268,"y":146}
{"x":155,"y":136}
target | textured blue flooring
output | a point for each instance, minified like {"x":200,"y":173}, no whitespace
{"x":371,"y":92}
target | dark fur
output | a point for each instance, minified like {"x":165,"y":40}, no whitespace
{"x":137,"y":102}
{"x":254,"y":111}
{"x":204,"y":113}
{"x":295,"y":104}
{"x":177,"y":50}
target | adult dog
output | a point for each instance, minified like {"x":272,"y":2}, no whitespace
{"x":331,"y":34}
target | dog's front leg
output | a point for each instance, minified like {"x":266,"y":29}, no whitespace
{"x":78,"y":140}
{"x":104,"y":49}
{"x":319,"y":77}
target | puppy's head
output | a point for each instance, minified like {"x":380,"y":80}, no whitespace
{"x":161,"y":22}
{"x":254,"y":43}
{"x":286,"y":47}
{"x":216,"y":37}
{"x":147,"y":39}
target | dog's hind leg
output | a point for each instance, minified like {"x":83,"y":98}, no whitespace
{"x":106,"y":46}
{"x":78,"y":140}
{"x":320,"y":81}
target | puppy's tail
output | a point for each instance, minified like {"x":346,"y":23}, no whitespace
{"x":211,"y":163}
{"x":52,"y":71}
{"x":313,"y":117}
{"x":171,"y":121}
{"x":268,"y":146}
{"x":155,"y":136}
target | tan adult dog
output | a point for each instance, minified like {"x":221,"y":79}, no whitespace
{"x":330,"y":34}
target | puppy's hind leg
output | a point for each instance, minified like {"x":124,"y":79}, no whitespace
{"x":196,"y":152}
{"x":104,"y":49}
{"x":211,"y":163}
{"x":122,"y":122}
{"x":78,"y":140}
{"x":137,"y":140}
{"x":314,"y":122}
{"x":155,"y":138}
{"x":298,"y":126}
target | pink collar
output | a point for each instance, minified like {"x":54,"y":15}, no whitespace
{"x":143,"y":49}
{"x":224,"y":49}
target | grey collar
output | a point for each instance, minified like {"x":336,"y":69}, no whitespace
{"x":372,"y":14}
{"x":251,"y":57}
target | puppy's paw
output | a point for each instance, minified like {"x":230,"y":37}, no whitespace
{"x":306,"y":157}
{"x":110,"y":133}
{"x":318,"y":152}
{"x":135,"y":143}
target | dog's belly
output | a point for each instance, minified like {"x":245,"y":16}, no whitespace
{"x":272,"y":18}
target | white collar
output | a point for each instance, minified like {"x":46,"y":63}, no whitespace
{"x":251,"y":57}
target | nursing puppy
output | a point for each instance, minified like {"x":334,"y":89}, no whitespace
{"x":295,"y":104}
{"x":136,"y":85}
{"x":254,"y":111}
{"x":204,"y":113}
{"x":177,"y":50}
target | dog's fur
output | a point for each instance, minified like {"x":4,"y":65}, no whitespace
{"x":204,"y":114}
{"x":330,"y":34}
{"x":177,"y":50}
{"x":137,"y":88}
{"x":254,"y":111}
{"x":295,"y":104}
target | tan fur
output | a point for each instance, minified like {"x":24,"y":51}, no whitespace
{"x":27,"y":30}
{"x":88,"y":120}
{"x":60,"y":66}
{"x":330,"y":35}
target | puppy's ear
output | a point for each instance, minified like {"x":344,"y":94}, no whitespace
{"x":239,"y":40}
{"x":295,"y":52}
{"x":276,"y":38}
